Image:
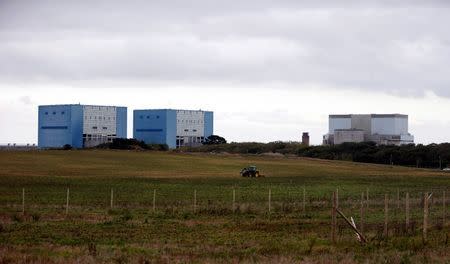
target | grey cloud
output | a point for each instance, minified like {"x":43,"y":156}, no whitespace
{"x":400,"y":47}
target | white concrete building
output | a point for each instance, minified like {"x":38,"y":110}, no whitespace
{"x":385,"y":129}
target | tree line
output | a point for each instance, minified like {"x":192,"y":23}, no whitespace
{"x":423,"y":156}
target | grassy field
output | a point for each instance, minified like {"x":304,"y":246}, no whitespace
{"x":131,"y":231}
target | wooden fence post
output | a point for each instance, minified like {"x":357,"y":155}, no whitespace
{"x":337,"y":197}
{"x":398,"y":199}
{"x":112,"y":198}
{"x":386,"y":219}
{"x":362,"y":213}
{"x":154,"y":200}
{"x":444,"y":221}
{"x":304,"y":199}
{"x":234,"y":200}
{"x":444,"y":216}
{"x":270,"y":198}
{"x":367,"y":199}
{"x":425,"y":217}
{"x":407,"y":212}
{"x":333,"y":218}
{"x":67,"y":202}
{"x":195,"y":201}
{"x":23,"y":200}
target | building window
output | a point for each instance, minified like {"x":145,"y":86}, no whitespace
{"x":62,"y":113}
{"x":94,"y":127}
{"x":105,"y":128}
{"x":186,"y":130}
{"x":54,"y":113}
{"x":46,"y":113}
{"x":157,"y":117}
{"x":195,"y":130}
{"x":148,"y":117}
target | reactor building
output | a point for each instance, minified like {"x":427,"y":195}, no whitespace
{"x":80,"y":125}
{"x":383,"y":129}
{"x":176,"y":128}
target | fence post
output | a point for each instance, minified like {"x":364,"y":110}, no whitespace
{"x":386,"y":219}
{"x":112,"y":198}
{"x":398,"y":199}
{"x":337,"y":197}
{"x":270,"y":197}
{"x":67,"y":202}
{"x":23,"y":200}
{"x":425,"y":217}
{"x":362,"y":213}
{"x":304,"y":199}
{"x":407,"y":212}
{"x":333,"y":217}
{"x":154,"y":200}
{"x":444,"y":210}
{"x":234,"y":200}
{"x":367,"y":199}
{"x":195,"y":201}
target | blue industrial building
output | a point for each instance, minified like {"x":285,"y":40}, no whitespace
{"x":80,"y":125}
{"x":176,"y":128}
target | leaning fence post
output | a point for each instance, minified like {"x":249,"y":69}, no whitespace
{"x":425,"y":217}
{"x":386,"y":215}
{"x":112,"y":198}
{"x":23,"y":200}
{"x":333,"y":217}
{"x":67,"y":202}
{"x":407,"y":212}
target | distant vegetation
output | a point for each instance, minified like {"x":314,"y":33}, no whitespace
{"x":424,"y":156}
{"x":214,"y":140}
{"x":132,"y":144}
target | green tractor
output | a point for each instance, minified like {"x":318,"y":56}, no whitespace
{"x":251,"y":171}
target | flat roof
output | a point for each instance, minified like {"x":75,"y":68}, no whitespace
{"x":83,"y":105}
{"x":370,"y":115}
{"x":169,"y":109}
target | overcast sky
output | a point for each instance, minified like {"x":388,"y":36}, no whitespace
{"x":268,"y":69}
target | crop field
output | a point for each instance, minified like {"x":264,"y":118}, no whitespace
{"x":89,"y":206}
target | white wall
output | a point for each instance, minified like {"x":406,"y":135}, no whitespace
{"x":100,"y":117}
{"x":192,"y":121}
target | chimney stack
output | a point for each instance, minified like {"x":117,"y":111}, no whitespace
{"x":305,"y":138}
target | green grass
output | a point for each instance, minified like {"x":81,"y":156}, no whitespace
{"x":131,"y":231}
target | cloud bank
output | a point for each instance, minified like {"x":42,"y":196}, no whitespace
{"x":396,"y":47}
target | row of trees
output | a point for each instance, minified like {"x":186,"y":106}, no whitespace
{"x":425,"y":156}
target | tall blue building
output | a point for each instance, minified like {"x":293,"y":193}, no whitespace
{"x":80,"y":125}
{"x":175,"y":128}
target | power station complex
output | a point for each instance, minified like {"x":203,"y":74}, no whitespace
{"x":82,"y":126}
{"x":386,"y":129}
